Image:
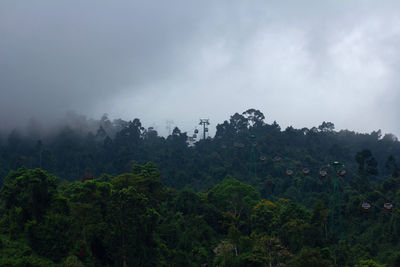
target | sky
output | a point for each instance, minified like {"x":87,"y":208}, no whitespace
{"x":298,"y":62}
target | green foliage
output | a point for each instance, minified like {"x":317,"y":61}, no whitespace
{"x":49,"y":238}
{"x":145,"y":179}
{"x":18,"y":253}
{"x":311,"y":257}
{"x":133,"y":220}
{"x":146,"y":200}
{"x":234,"y":197}
{"x":132,"y":224}
{"x":367,"y":164}
{"x":267,"y":251}
{"x":31,"y":190}
{"x":265,"y":217}
{"x":225,"y":254}
{"x":368,"y":263}
{"x":72,"y":261}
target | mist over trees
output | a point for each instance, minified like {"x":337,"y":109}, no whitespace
{"x":80,"y":145}
{"x":113,"y":193}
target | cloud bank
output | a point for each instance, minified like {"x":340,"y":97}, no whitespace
{"x":299,"y":63}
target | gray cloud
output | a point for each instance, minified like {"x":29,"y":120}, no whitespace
{"x":298,"y":62}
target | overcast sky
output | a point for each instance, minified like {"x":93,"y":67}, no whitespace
{"x":299,"y":62}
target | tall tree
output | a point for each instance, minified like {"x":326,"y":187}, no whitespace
{"x":367,"y":164}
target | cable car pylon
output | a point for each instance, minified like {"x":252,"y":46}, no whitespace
{"x":204,"y":122}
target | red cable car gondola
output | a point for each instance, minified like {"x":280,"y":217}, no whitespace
{"x":289,"y":173}
{"x":388,"y":206}
{"x":263,"y":158}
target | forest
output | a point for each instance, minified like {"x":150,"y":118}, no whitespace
{"x":113,"y":193}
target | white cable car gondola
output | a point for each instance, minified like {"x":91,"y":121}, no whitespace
{"x":365,"y":207}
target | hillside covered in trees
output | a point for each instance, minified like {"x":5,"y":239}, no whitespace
{"x":112,"y":193}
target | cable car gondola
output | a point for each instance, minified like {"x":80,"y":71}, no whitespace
{"x":365,"y":207}
{"x":196,"y":131}
{"x":341,"y":173}
{"x":289,"y":173}
{"x":323,"y":173}
{"x":306,"y":171}
{"x":388,"y":206}
{"x":263,"y":158}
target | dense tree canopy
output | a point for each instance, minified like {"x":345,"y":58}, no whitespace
{"x":123,"y":196}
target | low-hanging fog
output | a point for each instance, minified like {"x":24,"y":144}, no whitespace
{"x":299,"y":62}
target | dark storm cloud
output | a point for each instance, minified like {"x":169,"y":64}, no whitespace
{"x":57,"y":56}
{"x":300,"y":62}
